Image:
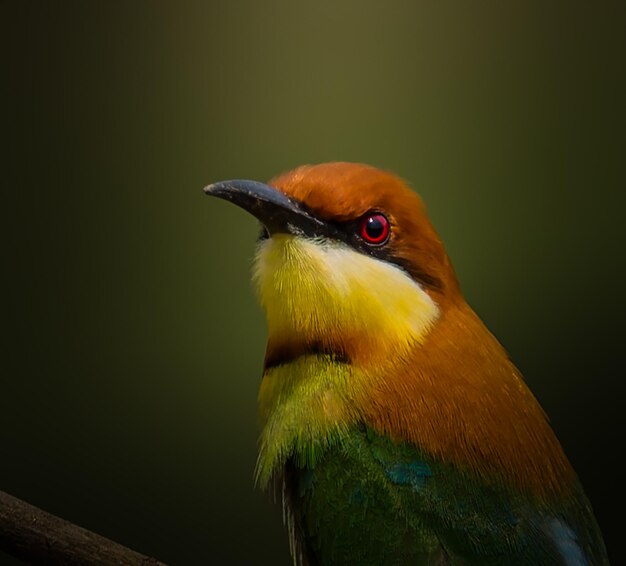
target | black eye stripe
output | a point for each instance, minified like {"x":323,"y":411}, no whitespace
{"x":349,"y":232}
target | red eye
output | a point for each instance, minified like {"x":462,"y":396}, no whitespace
{"x":375,"y":228}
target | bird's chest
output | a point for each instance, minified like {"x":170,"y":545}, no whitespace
{"x":346,"y":511}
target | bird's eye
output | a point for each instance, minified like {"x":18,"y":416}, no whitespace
{"x":374,"y":228}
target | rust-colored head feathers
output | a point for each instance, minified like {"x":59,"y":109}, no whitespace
{"x":341,"y":191}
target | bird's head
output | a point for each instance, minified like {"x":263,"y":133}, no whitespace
{"x":348,"y":263}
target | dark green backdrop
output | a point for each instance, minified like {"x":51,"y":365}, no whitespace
{"x":133,"y":342}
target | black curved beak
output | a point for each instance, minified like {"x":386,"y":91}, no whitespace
{"x":276,"y":211}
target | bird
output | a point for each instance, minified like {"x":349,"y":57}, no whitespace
{"x":394,"y":425}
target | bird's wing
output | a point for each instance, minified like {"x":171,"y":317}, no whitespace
{"x":485,"y":522}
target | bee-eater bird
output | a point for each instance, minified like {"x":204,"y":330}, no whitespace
{"x":393,"y":422}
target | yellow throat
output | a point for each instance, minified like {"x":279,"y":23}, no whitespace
{"x":322,"y":298}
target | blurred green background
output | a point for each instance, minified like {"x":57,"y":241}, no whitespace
{"x":133,"y":343}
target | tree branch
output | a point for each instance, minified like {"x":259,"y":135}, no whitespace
{"x":30,"y":534}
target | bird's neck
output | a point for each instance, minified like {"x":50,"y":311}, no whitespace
{"x":338,"y":321}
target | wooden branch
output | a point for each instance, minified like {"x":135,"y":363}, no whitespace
{"x":37,"y":537}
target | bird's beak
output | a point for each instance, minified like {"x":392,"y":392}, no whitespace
{"x":276,"y":211}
